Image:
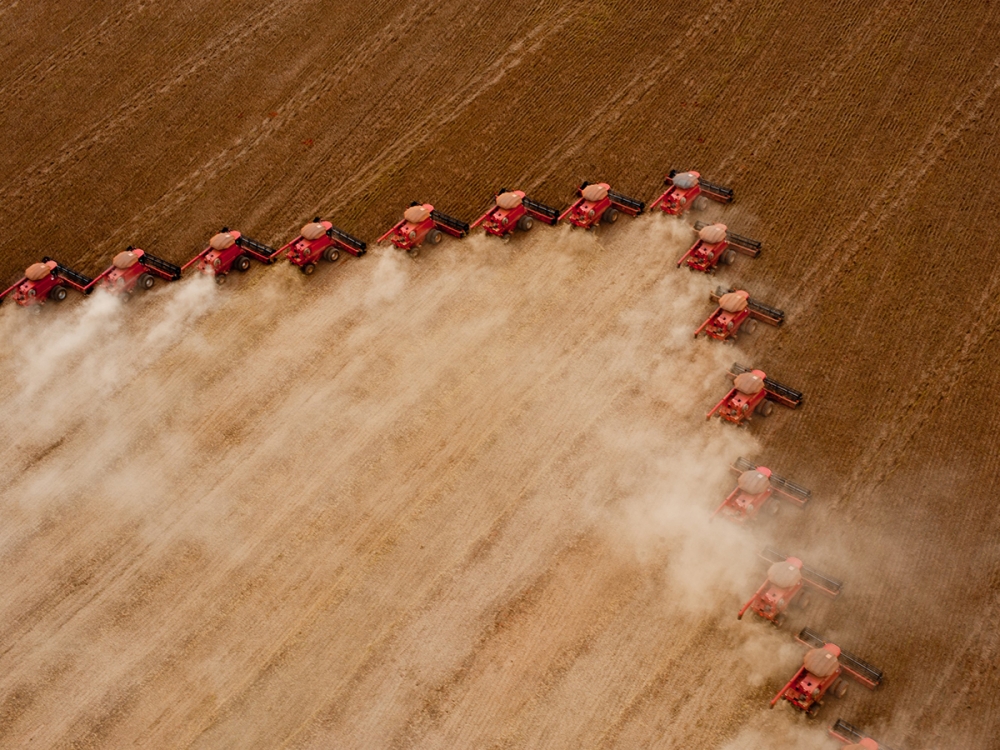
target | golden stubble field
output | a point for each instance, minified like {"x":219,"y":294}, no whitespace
{"x":462,"y":501}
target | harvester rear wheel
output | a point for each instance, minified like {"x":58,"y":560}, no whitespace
{"x":764,"y":408}
{"x":308,"y":269}
{"x":729,"y":257}
{"x":433,"y":236}
{"x":58,"y":294}
{"x":610,"y":216}
{"x":220,"y":278}
{"x":146,"y":281}
{"x":414,"y":251}
{"x":331,"y":255}
{"x":242,"y":263}
{"x":525,"y":223}
{"x":750,"y":326}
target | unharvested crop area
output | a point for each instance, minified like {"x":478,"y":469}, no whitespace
{"x":463,"y":501}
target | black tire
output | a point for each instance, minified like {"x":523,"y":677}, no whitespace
{"x":729,"y":257}
{"x":146,"y":281}
{"x":308,"y":269}
{"x":840,"y":688}
{"x":220,"y":278}
{"x":525,"y":223}
{"x":764,"y":408}
{"x":700,"y":203}
{"x":331,"y":255}
{"x":57,"y":293}
{"x":242,"y":263}
{"x":433,"y":237}
{"x":750,"y":326}
{"x":414,"y":251}
{"x":610,"y":216}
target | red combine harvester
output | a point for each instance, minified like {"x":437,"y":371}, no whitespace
{"x":47,"y":280}
{"x":737,"y":309}
{"x":687,"y":190}
{"x":823,"y":670}
{"x":715,"y":245}
{"x":228,"y":250}
{"x":854,"y":738}
{"x":787,"y":584}
{"x":422,"y":223}
{"x":752,"y":391}
{"x":135,"y":269}
{"x":598,"y":203}
{"x":513,"y":209}
{"x":321,"y":240}
{"x":755,"y":488}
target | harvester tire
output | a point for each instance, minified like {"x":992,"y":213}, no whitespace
{"x":610,"y":216}
{"x":146,"y":281}
{"x":242,"y":263}
{"x":58,"y":294}
{"x":700,"y":203}
{"x":773,"y":507}
{"x":433,"y":237}
{"x":308,"y":269}
{"x":764,"y":408}
{"x":414,"y":251}
{"x":525,"y":223}
{"x":750,"y":326}
{"x":803,"y":601}
{"x":729,"y":257}
{"x":839,"y":688}
{"x":331,"y":255}
{"x":220,"y":278}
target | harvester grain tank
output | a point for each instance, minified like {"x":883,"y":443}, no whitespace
{"x":47,"y":280}
{"x":511,"y":210}
{"x":689,"y":191}
{"x":736,"y":310}
{"x":598,"y":204}
{"x":422,"y":223}
{"x":752,"y":392}
{"x":321,"y":240}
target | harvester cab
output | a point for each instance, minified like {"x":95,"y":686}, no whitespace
{"x":854,"y":738}
{"x":228,"y":250}
{"x":752,"y":392}
{"x":47,"y":280}
{"x":511,"y":210}
{"x":736,"y":309}
{"x":756,"y":487}
{"x":321,"y":240}
{"x":788,"y":584}
{"x":133,"y":269}
{"x":688,"y":190}
{"x":715,"y":245}
{"x":422,"y":223}
{"x":823,"y":670}
{"x":598,"y":204}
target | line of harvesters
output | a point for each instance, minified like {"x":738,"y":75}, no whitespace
{"x":788,"y":583}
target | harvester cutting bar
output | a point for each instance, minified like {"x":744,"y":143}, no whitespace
{"x":849,"y":734}
{"x":359,"y":246}
{"x":165,"y":268}
{"x":829,"y":586}
{"x":759,"y":310}
{"x":796,"y":492}
{"x":775,"y":391}
{"x":862,"y":671}
{"x":76,"y":280}
{"x":541,"y":212}
{"x":260,"y":251}
{"x":451,"y":225}
{"x":629,"y":204}
{"x":716,"y":192}
{"x":738,"y":242}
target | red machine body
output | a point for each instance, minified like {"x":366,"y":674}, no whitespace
{"x":736,"y":310}
{"x":756,"y":487}
{"x":687,"y":190}
{"x":854,"y":738}
{"x":512,"y":209}
{"x":228,"y":250}
{"x":422,"y":223}
{"x":598,"y":204}
{"x":752,"y":392}
{"x":133,"y":269}
{"x":715,"y":245}
{"x":823,"y":670}
{"x":787,"y":584}
{"x":47,"y":280}
{"x":320,"y":240}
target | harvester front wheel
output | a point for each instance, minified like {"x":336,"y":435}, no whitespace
{"x":242,"y":264}
{"x":433,"y":236}
{"x":58,"y":294}
{"x":331,"y":255}
{"x":525,"y":223}
{"x":308,"y":269}
{"x":146,"y":281}
{"x":610,"y":216}
{"x":764,"y":408}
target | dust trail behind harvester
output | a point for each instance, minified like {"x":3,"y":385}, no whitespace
{"x":395,"y":499}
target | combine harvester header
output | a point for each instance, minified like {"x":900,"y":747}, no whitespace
{"x":688,"y":191}
{"x":47,"y":280}
{"x":513,"y":209}
{"x":854,"y":738}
